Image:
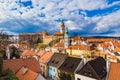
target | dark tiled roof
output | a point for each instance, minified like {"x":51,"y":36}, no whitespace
{"x":70,"y":64}
{"x":57,"y":59}
{"x":16,"y":64}
{"x":94,"y":68}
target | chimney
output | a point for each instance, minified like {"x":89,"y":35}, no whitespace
{"x":24,"y":70}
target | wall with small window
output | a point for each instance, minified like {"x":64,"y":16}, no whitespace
{"x":82,"y":77}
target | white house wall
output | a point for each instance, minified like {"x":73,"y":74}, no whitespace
{"x":81,"y":77}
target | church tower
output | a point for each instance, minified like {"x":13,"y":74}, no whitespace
{"x":66,"y":38}
{"x":62,"y":27}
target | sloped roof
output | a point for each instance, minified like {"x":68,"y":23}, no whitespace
{"x":46,"y":57}
{"x":29,"y":75}
{"x":79,"y":47}
{"x":70,"y":64}
{"x":16,"y":64}
{"x":59,"y":44}
{"x":58,"y":33}
{"x":117,"y":49}
{"x":114,"y":73}
{"x":99,"y":40}
{"x":40,"y":53}
{"x":95,"y":68}
{"x":57,"y":59}
{"x":29,"y":52}
{"x":76,"y":37}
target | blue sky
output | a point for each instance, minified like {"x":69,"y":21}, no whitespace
{"x":83,"y":17}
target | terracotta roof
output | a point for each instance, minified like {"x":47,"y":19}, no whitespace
{"x":24,"y":42}
{"x":44,"y":33}
{"x":40,"y":53}
{"x":45,"y":58}
{"x":107,"y":44}
{"x":99,"y":40}
{"x":29,"y":34}
{"x":57,"y":59}
{"x":70,"y":64}
{"x":29,"y":52}
{"x":117,"y":49}
{"x":25,"y":52}
{"x":76,"y":38}
{"x":116,"y":43}
{"x":57,"y":33}
{"x":114,"y":73}
{"x":29,"y":75}
{"x":59,"y":44}
{"x":16,"y":64}
{"x":101,"y":53}
{"x":80,"y":47}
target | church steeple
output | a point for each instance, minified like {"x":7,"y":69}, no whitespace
{"x":62,"y":27}
{"x":66,"y":38}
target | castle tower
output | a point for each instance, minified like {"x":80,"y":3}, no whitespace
{"x":62,"y":27}
{"x":7,"y":52}
{"x":66,"y":38}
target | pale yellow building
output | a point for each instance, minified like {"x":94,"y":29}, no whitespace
{"x":79,"y":50}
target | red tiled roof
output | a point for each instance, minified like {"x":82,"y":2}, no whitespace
{"x":45,"y":58}
{"x":114,"y":73}
{"x":59,"y":44}
{"x":80,"y":47}
{"x":29,"y":75}
{"x":30,"y":52}
{"x":16,"y":64}
{"x":57,"y":33}
{"x":117,"y":49}
{"x":44,"y":33}
{"x":116,"y":43}
{"x":40,"y":53}
{"x":99,"y":40}
{"x":101,"y":53}
{"x":76,"y":37}
{"x":104,"y":45}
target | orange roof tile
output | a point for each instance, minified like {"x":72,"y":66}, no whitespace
{"x":59,"y":44}
{"x":44,"y":33}
{"x":16,"y":64}
{"x":29,"y":75}
{"x":29,"y":52}
{"x":40,"y":53}
{"x":116,"y":43}
{"x":107,"y":44}
{"x":79,"y":47}
{"x":101,"y":53}
{"x":76,"y":37}
{"x":117,"y":49}
{"x":45,"y":58}
{"x":57,"y":33}
{"x":99,"y":40}
{"x":25,"y":52}
{"x":114,"y":73}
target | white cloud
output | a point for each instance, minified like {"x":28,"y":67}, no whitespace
{"x":108,"y":22}
{"x":55,"y":9}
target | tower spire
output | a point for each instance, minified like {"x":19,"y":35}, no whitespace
{"x":62,"y":27}
{"x":66,"y":38}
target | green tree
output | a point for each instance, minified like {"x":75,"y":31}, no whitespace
{"x":10,"y":75}
{"x":1,"y":64}
{"x":64,"y":76}
{"x":3,"y":42}
{"x":38,"y":40}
